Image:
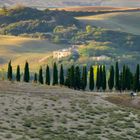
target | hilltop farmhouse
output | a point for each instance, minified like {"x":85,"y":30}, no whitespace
{"x":65,"y":52}
{"x":61,"y":53}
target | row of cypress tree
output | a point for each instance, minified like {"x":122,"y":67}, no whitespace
{"x":77,"y":79}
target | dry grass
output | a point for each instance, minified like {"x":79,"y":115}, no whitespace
{"x":124,"y":100}
{"x":8,"y":40}
{"x":92,"y":8}
{"x":32,"y":111}
{"x":20,"y":49}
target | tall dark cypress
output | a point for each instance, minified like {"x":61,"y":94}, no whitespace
{"x":35,"y":78}
{"x":101,"y":77}
{"x":111,"y":78}
{"x":55,"y":74}
{"x":40,"y":79}
{"x":61,"y":75}
{"x":26,"y":73}
{"x":84,"y":78}
{"x":18,"y":74}
{"x":77,"y":78}
{"x":91,"y":79}
{"x":128,"y":78}
{"x":120,"y":86}
{"x":117,"y":76}
{"x":67,"y":80}
{"x":131,"y":81}
{"x":72,"y":77}
{"x":136,"y":79}
{"x":104,"y":78}
{"x":124,"y":78}
{"x":98,"y":78}
{"x":9,"y":73}
{"x":48,"y":78}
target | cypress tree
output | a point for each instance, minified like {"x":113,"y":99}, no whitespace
{"x":77,"y":78}
{"x":67,"y":81}
{"x":40,"y":79}
{"x":91,"y":79}
{"x":9,"y":73}
{"x":61,"y":75}
{"x":26,"y":73}
{"x":101,"y":77}
{"x":18,"y":74}
{"x":35,"y":78}
{"x":120,"y":86}
{"x":72,"y":77}
{"x":128,"y":78}
{"x":84,"y":78}
{"x":55,"y":75}
{"x":111,"y":78}
{"x":104,"y":78}
{"x":98,"y":78}
{"x":48,"y":75}
{"x":136,"y":79}
{"x":132,"y":81}
{"x":117,"y":76}
{"x":124,"y":78}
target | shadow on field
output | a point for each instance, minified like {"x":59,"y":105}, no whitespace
{"x":124,"y":100}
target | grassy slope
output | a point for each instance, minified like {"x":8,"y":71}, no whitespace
{"x":126,"y":22}
{"x":31,"y":112}
{"x":21,"y":49}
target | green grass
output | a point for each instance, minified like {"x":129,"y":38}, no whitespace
{"x":126,"y":22}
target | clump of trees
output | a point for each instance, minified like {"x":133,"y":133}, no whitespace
{"x":80,"y":78}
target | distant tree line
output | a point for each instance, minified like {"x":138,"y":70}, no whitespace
{"x":81,"y":78}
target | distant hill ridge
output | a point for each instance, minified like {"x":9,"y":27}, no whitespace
{"x":28,"y":20}
{"x":62,"y":3}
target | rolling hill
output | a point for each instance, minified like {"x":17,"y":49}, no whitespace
{"x":113,"y":40}
{"x":20,"y":49}
{"x":124,"y":22}
{"x":32,"y":111}
{"x":20,"y":20}
{"x":63,"y":3}
{"x":96,"y":9}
